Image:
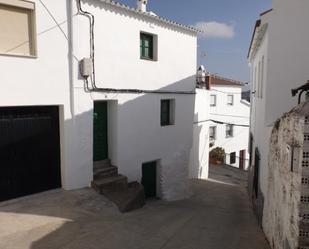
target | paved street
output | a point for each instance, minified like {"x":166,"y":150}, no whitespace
{"x":218,"y":216}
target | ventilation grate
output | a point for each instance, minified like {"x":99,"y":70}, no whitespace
{"x":305,"y":155}
{"x":305,"y":180}
{"x":304,"y":217}
{"x":304,"y":199}
{"x":303,"y":234}
{"x":305,"y":163}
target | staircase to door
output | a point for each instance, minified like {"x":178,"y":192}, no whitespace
{"x":107,"y":181}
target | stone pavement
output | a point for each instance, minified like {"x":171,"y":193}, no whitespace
{"x":217,"y":216}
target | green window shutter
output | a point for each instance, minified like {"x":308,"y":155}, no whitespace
{"x":165,"y":112}
{"x":146,"y":46}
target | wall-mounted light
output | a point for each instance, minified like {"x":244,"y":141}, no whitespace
{"x":302,"y":89}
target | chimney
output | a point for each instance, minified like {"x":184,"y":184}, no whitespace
{"x":141,"y":5}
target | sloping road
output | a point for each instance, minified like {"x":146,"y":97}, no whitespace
{"x":218,"y":216}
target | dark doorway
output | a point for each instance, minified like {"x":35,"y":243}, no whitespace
{"x":149,"y":179}
{"x":100,"y":135}
{"x":242,"y":157}
{"x":256,"y":172}
{"x":29,"y":151}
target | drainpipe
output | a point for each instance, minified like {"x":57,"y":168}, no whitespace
{"x":71,"y":56}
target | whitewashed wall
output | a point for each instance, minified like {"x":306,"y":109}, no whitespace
{"x":45,"y":80}
{"x":284,"y":208}
{"x":238,"y":113}
{"x":288,"y":56}
{"x":53,"y":79}
{"x":199,"y":158}
{"x":138,"y":136}
{"x":259,"y":128}
{"x":285,"y":68}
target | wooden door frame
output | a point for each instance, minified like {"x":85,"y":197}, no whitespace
{"x":242,"y":157}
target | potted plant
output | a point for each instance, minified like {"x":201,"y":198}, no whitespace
{"x":216,"y":156}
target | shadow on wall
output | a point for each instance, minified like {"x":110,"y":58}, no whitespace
{"x":195,"y":171}
{"x":148,"y":141}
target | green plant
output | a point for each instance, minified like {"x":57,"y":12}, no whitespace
{"x":217,"y":153}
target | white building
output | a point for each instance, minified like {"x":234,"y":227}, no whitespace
{"x":199,"y":158}
{"x":141,"y":94}
{"x":229,"y":120}
{"x":279,"y":59}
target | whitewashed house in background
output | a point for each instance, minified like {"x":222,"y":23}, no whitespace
{"x":136,"y":109}
{"x":199,"y":158}
{"x":279,"y":59}
{"x":229,"y":120}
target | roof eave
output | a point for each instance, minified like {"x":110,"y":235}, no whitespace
{"x":151,"y":16}
{"x":257,"y":25}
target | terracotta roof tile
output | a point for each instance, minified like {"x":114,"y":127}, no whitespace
{"x":218,"y":80}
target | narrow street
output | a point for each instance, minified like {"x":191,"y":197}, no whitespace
{"x":217,"y":216}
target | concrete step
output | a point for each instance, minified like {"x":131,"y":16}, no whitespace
{"x":110,"y":184}
{"x":130,"y":199}
{"x":102,"y":164}
{"x":105,"y":172}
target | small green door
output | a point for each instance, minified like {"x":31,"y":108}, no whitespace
{"x":149,"y":179}
{"x":100,"y":137}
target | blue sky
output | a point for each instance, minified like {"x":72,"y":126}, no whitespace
{"x":230,"y":25}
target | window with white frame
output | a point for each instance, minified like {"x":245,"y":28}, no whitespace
{"x":212,"y":132}
{"x":229,"y":130}
{"x":230,"y":99}
{"x":213,"y":100}
{"x":17,"y":27}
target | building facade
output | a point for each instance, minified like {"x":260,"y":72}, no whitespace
{"x":131,"y":99}
{"x":199,"y":158}
{"x":229,"y":121}
{"x":276,"y":37}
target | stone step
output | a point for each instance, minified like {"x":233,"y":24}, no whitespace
{"x":102,"y":164}
{"x":105,"y":172}
{"x":130,"y":199}
{"x":108,"y":184}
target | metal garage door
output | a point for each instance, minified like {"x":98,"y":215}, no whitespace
{"x":29,"y":151}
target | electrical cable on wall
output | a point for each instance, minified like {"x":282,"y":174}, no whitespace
{"x":220,"y":122}
{"x":92,"y":57}
{"x":224,"y":92}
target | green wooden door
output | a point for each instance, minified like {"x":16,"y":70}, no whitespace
{"x":149,"y":179}
{"x":100,"y":137}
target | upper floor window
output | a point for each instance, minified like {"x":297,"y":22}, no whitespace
{"x":17,"y":28}
{"x":146,"y":46}
{"x":167,"y":112}
{"x":230,"y":99}
{"x":229,"y":131}
{"x":213,"y":100}
{"x":212,"y":132}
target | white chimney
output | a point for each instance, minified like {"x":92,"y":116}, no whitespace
{"x":141,"y":5}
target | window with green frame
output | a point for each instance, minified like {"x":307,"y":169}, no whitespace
{"x":146,"y":46}
{"x":167,"y":112}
